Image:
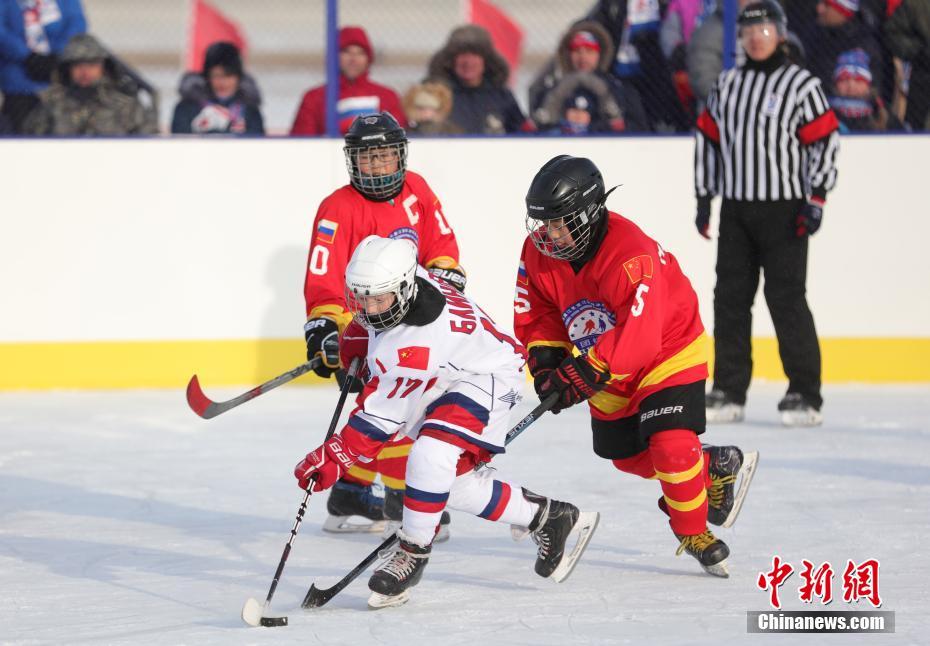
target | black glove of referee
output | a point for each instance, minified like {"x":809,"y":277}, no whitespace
{"x":702,"y":220}
{"x":810,"y":217}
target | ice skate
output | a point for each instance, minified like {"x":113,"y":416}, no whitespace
{"x":798,"y":412}
{"x":354,"y":509}
{"x":391,"y":582}
{"x":710,"y":552}
{"x":731,"y":472}
{"x":721,"y":409}
{"x":394,"y":516}
{"x":550,"y":529}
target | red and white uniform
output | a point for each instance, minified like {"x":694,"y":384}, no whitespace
{"x":630,"y":309}
{"x":346,"y":217}
{"x":450,"y":385}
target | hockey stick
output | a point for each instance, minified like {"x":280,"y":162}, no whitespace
{"x":316,"y":597}
{"x":208,"y":409}
{"x":252,"y":613}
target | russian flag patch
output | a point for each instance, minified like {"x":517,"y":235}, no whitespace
{"x":521,"y":274}
{"x":326,"y":231}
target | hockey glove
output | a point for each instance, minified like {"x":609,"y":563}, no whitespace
{"x":810,"y":217}
{"x":702,"y":220}
{"x":324,"y":465}
{"x":322,"y":336}
{"x":353,"y":345}
{"x":39,"y":67}
{"x":575,"y":381}
{"x":454,"y":277}
{"x":543,"y":359}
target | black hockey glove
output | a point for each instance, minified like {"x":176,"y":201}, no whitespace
{"x":39,"y":67}
{"x":702,"y":220}
{"x":810,"y":217}
{"x":575,"y":381}
{"x":454,"y":277}
{"x":543,"y":359}
{"x":322,"y":336}
{"x":357,"y":385}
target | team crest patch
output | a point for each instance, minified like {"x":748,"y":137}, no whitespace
{"x":405,"y":233}
{"x":326,"y":231}
{"x":586,"y":321}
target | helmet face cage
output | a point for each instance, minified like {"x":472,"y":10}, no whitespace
{"x":374,"y":185}
{"x":579,"y":226}
{"x":390,"y":317}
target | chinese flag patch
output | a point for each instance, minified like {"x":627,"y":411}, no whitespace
{"x":414,"y":356}
{"x":638,"y":268}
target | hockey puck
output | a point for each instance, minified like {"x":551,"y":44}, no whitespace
{"x":271,"y":622}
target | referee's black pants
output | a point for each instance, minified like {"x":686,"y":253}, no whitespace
{"x":754,"y":236}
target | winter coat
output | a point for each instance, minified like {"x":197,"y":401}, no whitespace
{"x":13,"y":44}
{"x":626,"y":97}
{"x":200,"y":111}
{"x":825,"y":44}
{"x":102,"y":109}
{"x":489,"y":108}
{"x":358,"y":97}
{"x":907,"y":34}
{"x":608,"y":118}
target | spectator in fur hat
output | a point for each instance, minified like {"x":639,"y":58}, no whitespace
{"x":587,"y":48}
{"x":581,"y":103}
{"x":221,"y":99}
{"x":855,"y":102}
{"x":428,"y":106}
{"x":358,"y":95}
{"x":477,"y":74}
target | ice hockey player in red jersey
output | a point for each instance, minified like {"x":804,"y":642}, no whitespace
{"x":386,"y":199}
{"x":442,"y":373}
{"x":609,"y":318}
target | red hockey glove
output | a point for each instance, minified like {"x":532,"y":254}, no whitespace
{"x":325,"y":465}
{"x":542,"y":360}
{"x":575,"y":381}
{"x":353,"y":345}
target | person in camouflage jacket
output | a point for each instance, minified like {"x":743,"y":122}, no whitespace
{"x":86,"y":100}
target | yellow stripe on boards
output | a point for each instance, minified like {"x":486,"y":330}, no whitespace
{"x":694,"y":503}
{"x":170,"y":364}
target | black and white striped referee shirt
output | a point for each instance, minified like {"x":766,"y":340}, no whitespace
{"x":767,"y":133}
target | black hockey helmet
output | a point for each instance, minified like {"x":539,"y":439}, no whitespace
{"x":376,"y":156}
{"x":764,"y":11}
{"x":570,"y":189}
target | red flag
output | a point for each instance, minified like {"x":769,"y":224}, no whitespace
{"x":506,"y":34}
{"x":208,"y":26}
{"x":414,"y":356}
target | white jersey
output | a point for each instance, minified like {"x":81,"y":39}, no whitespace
{"x":458,"y":372}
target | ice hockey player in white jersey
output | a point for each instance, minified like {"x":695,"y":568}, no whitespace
{"x":440,"y":372}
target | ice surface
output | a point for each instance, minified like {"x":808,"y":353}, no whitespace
{"x":125,"y":519}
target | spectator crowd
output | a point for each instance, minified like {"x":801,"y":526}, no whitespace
{"x":628,"y":66}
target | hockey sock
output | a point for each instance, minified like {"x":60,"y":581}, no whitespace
{"x":360,"y":475}
{"x":679,"y":465}
{"x":430,"y":475}
{"x":391,"y":462}
{"x":479,"y":493}
{"x":640,"y":465}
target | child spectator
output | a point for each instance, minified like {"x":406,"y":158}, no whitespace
{"x":856,"y":103}
{"x":428,"y":106}
{"x":219,"y":100}
{"x":358,"y":95}
{"x":580,"y":104}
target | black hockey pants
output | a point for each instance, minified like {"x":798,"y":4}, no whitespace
{"x":754,"y":236}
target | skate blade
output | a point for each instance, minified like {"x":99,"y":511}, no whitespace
{"x":728,"y":414}
{"x":801,"y":418}
{"x":585,"y":526}
{"x":745,"y":474}
{"x":718,"y":569}
{"x":377,"y":601}
{"x":346,"y":525}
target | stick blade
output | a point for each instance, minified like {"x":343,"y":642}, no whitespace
{"x":198,"y":401}
{"x":252,"y":611}
{"x":316,"y":597}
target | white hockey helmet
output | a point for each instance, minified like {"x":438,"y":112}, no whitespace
{"x":381,"y":267}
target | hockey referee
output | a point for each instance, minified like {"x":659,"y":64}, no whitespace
{"x":767,"y":142}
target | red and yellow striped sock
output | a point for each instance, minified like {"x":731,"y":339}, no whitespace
{"x":679,"y":465}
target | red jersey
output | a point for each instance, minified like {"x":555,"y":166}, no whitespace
{"x":346,"y":217}
{"x":630,"y":309}
{"x":356,"y":98}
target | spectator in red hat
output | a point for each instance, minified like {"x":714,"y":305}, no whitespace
{"x":357,"y":94}
{"x":856,"y":104}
